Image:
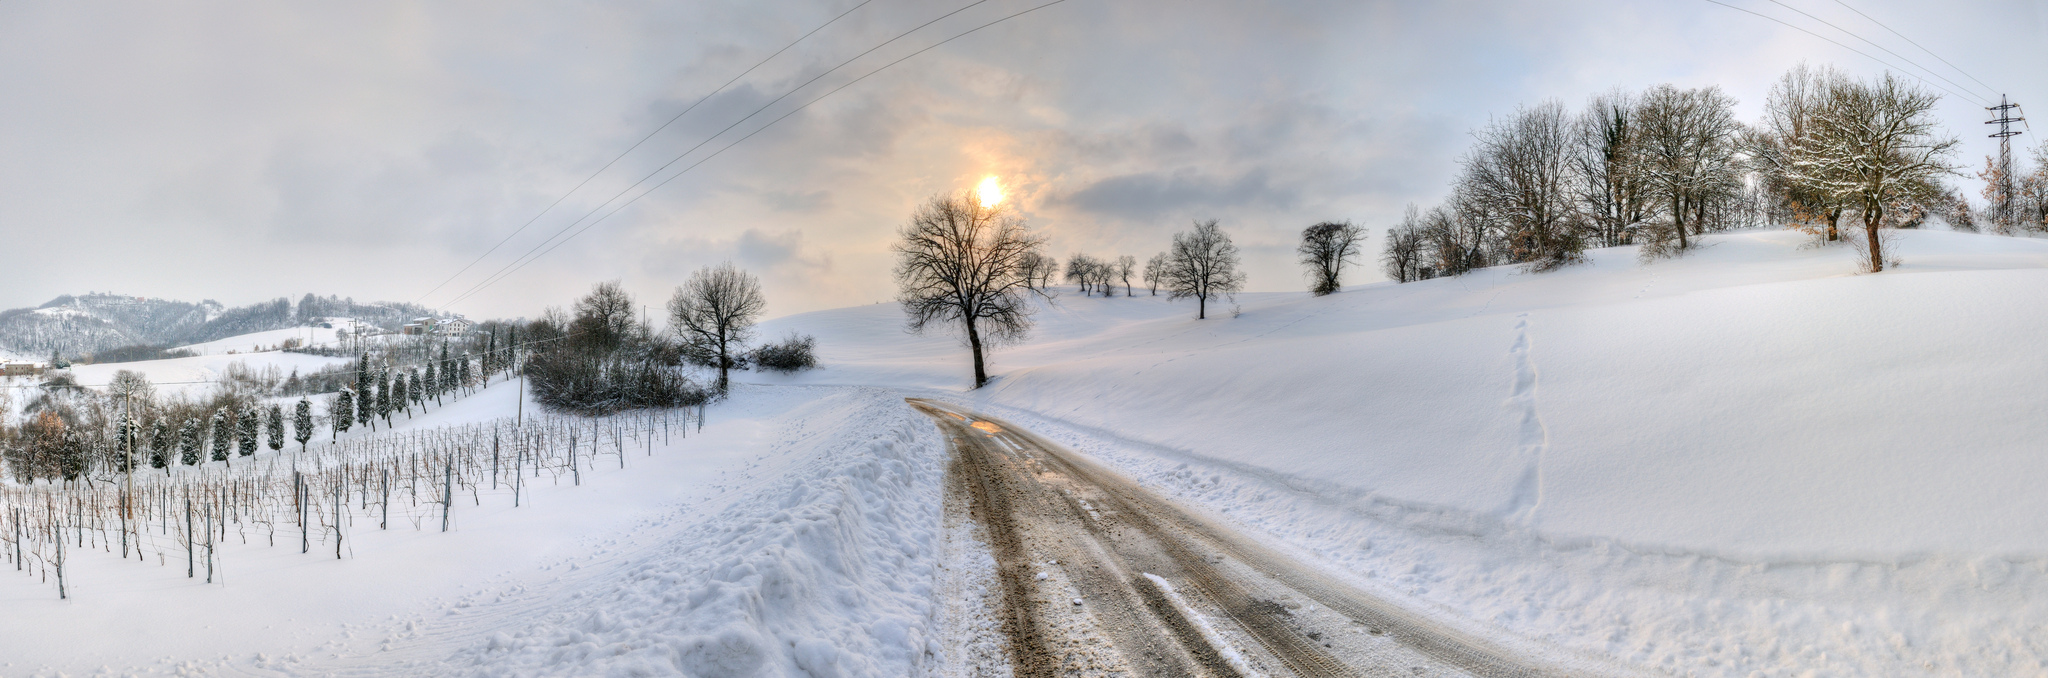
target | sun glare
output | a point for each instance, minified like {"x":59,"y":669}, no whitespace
{"x":991,"y":191}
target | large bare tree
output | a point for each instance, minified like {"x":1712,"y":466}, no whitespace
{"x":1875,"y":146}
{"x":1689,"y":148}
{"x":1607,"y":162}
{"x":1516,"y":180}
{"x":1789,"y":111}
{"x":604,"y":318}
{"x":1202,"y":264}
{"x":963,"y":261}
{"x":714,"y":312}
{"x":1325,"y":249}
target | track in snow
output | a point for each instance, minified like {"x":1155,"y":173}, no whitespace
{"x":1098,"y":576}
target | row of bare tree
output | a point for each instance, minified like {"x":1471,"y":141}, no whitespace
{"x":1661,"y":167}
{"x":967,"y":265}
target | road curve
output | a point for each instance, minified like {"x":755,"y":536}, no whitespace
{"x":1099,"y":576}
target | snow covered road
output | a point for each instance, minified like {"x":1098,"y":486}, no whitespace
{"x":1098,"y":576}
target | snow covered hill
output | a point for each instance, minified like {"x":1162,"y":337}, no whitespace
{"x":1628,"y":441}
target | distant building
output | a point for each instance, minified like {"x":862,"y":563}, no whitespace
{"x":448,"y":327}
{"x":20,"y":369}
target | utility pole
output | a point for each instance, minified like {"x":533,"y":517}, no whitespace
{"x":2002,"y":115}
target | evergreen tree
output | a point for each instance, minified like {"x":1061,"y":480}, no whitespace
{"x":366,"y":404}
{"x":245,"y":433}
{"x":462,"y":371}
{"x":223,"y":434}
{"x":384,"y":397}
{"x":447,"y":374}
{"x":343,"y":413}
{"x":302,"y":422}
{"x":160,"y":442}
{"x":363,"y":374}
{"x":274,"y":427}
{"x":432,"y":387}
{"x":490,"y":360}
{"x":188,"y":442}
{"x":124,"y":434}
{"x":398,"y":394}
{"x":417,"y":390}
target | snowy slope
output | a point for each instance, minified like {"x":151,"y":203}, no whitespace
{"x":795,"y":535}
{"x":264,"y":341}
{"x":1750,"y":461}
{"x":1754,"y":399}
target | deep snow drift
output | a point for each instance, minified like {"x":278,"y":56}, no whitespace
{"x":1750,"y":458}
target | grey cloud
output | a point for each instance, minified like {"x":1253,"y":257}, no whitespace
{"x":1143,"y":195}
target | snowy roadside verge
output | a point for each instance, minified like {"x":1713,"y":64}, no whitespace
{"x":1669,"y":611}
{"x":827,"y":570}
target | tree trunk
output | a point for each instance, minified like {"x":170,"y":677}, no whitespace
{"x":1871,"y":218}
{"x":1678,"y":220}
{"x":1201,"y":306}
{"x":974,"y":343}
{"x":1834,"y":219}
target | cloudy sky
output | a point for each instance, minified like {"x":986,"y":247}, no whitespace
{"x":245,"y":151}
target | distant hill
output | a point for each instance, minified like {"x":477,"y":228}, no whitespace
{"x":80,"y":325}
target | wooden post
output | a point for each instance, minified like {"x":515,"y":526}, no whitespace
{"x":447,"y":491}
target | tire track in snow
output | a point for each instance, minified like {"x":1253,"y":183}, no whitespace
{"x":1084,"y":534}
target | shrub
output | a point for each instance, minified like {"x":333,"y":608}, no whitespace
{"x":579,"y":381}
{"x":793,"y":354}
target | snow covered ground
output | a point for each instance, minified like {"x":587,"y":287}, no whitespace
{"x":797,"y":533}
{"x":267,"y":341}
{"x":1748,"y":459}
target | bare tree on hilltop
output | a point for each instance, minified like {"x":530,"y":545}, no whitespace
{"x":960,"y":260}
{"x":714,"y":312}
{"x":1874,"y":148}
{"x":1325,"y":249}
{"x":1202,"y":264}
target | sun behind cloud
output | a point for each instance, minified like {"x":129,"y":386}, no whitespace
{"x":990,"y":191}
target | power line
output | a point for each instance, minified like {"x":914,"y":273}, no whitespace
{"x":1836,"y":43}
{"x":643,"y":140}
{"x":1887,"y":50}
{"x":1929,"y":52}
{"x":750,"y":135}
{"x":521,"y":261}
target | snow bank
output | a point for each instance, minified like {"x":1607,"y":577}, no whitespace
{"x":825,"y":570}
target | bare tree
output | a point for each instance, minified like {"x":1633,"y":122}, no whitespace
{"x":1688,"y":148}
{"x":1402,"y":257}
{"x":1789,"y":110}
{"x":1325,"y":249}
{"x":714,"y":312}
{"x":961,"y":260}
{"x":1081,"y":271}
{"x":604,"y":318}
{"x":1607,"y":162}
{"x":1202,"y":263}
{"x":1874,"y":146}
{"x":1515,"y":181}
{"x":1155,"y":272}
{"x":1038,"y":270}
{"x":1125,"y":266}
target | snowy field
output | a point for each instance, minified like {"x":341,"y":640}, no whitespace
{"x":1750,"y":461}
{"x":796,"y":533}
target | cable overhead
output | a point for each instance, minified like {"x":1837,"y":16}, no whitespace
{"x":636,"y":145}
{"x":517,"y":262}
{"x":1887,"y":50}
{"x":750,"y":135}
{"x":1837,"y":43}
{"x":1929,"y":52}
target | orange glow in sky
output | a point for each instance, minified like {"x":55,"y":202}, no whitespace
{"x":991,"y":191}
